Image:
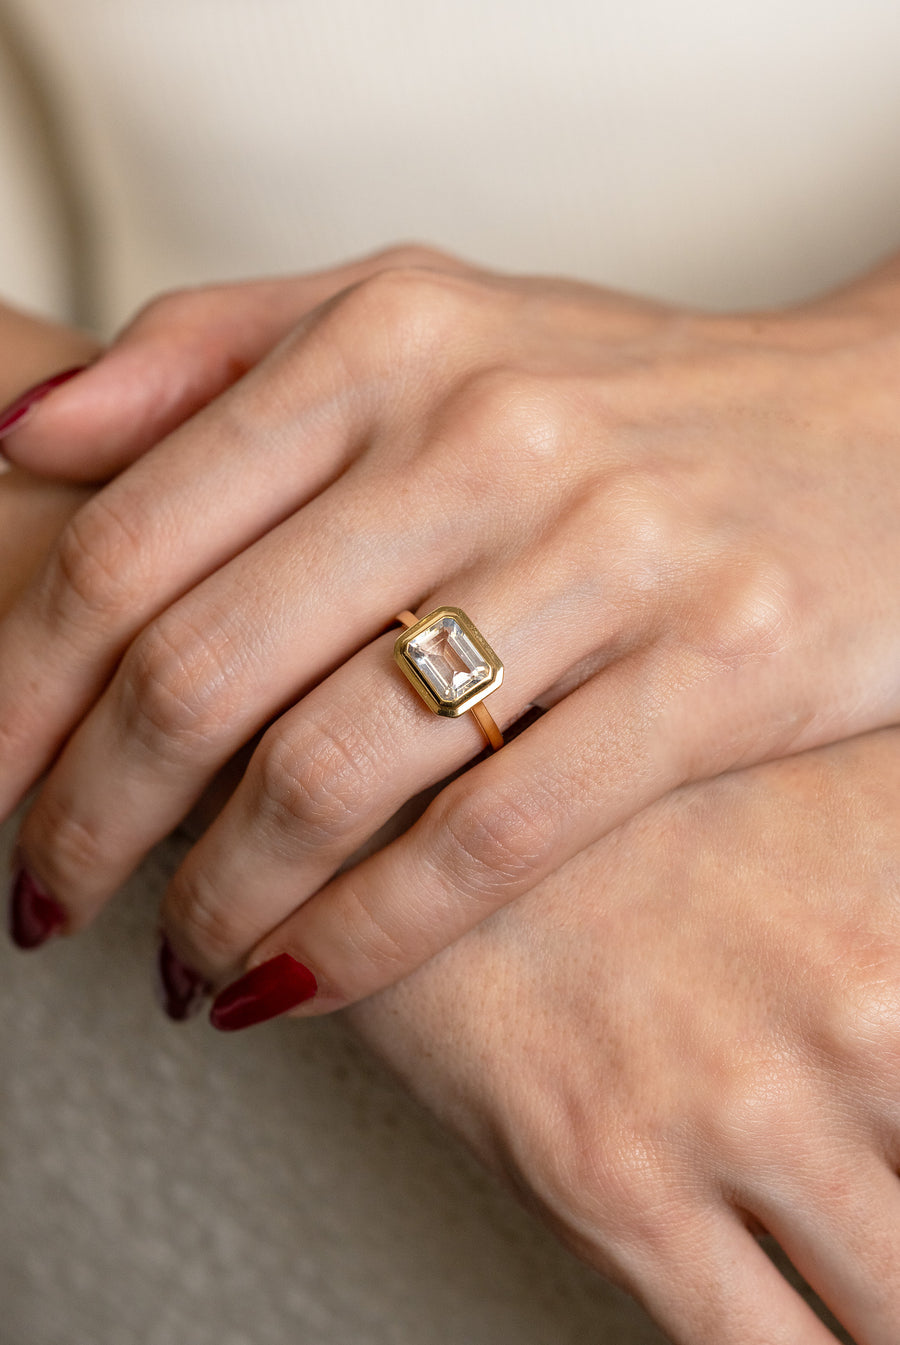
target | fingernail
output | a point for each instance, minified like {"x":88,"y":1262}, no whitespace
{"x":34,"y":916}
{"x":265,"y":992}
{"x":180,"y":990}
{"x":14,"y":415}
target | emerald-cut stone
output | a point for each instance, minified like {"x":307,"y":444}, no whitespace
{"x":448,"y":660}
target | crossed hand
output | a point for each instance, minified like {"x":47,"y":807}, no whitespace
{"x":679,"y":533}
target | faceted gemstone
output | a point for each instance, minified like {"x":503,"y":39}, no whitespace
{"x":448,"y":660}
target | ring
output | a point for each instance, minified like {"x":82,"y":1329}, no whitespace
{"x":451,"y":665}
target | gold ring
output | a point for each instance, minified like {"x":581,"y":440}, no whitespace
{"x":451,"y":665}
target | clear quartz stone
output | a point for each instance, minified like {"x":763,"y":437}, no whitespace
{"x":448,"y":660}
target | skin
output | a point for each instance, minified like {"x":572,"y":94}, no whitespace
{"x":689,"y":1032}
{"x":678,"y":530}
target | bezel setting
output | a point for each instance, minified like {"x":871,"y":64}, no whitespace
{"x":447,"y":636}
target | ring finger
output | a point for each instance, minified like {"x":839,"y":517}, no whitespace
{"x":223,"y":480}
{"x":327,"y":774}
{"x":337,"y":767}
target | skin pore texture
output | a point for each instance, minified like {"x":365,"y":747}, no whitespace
{"x":688,"y":1031}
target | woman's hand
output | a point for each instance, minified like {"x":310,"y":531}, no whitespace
{"x":691,"y":1029}
{"x":678,"y":531}
{"x":641,"y":1044}
{"x":692,"y":1026}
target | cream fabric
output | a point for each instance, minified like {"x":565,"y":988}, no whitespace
{"x":34,"y":249}
{"x":724,"y":154}
{"x":170,"y":1187}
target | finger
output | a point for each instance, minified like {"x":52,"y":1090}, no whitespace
{"x":64,"y":643}
{"x":262,"y":451}
{"x":489,"y":837}
{"x":325,"y":779}
{"x":668,"y":713}
{"x":839,"y":1223}
{"x":201,"y":680}
{"x":710,"y":1283}
{"x":332,"y":771}
{"x":193,"y":687}
{"x":117,"y":564}
{"x":182,"y":351}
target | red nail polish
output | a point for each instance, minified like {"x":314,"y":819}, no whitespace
{"x":34,"y":916}
{"x":268,"y":990}
{"x":180,"y":989}
{"x":13,"y":415}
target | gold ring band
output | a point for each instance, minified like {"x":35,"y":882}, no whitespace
{"x":451,"y":665}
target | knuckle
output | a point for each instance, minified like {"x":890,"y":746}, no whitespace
{"x":759,"y":1111}
{"x":622,"y":1186}
{"x":173,"y":689}
{"x":88,"y":576}
{"x":69,"y":846}
{"x":602,"y":1194}
{"x":401,"y":311}
{"x":524,"y":417}
{"x":409,"y":255}
{"x":220,"y":930}
{"x":375,"y":938}
{"x":757,"y":617}
{"x":860,"y":1029}
{"x":182,"y":318}
{"x":499,"y":448}
{"x":639,"y":521}
{"x":492,"y":843}
{"x":170,"y":308}
{"x":315,"y":784}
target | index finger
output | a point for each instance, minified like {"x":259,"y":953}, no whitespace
{"x":181,"y":351}
{"x":489,"y":837}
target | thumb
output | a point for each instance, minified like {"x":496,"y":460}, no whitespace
{"x":181,"y":351}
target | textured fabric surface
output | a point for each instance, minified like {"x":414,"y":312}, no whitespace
{"x":168,"y":1186}
{"x":164,"y":1186}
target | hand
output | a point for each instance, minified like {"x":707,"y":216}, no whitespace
{"x":691,"y":1029}
{"x":550,"y":978}
{"x":679,"y":532}
{"x":635,"y":970}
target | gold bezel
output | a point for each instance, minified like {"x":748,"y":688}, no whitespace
{"x":450,"y":709}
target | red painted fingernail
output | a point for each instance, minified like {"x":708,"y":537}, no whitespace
{"x":34,"y":916}
{"x":12,"y":416}
{"x":268,"y":990}
{"x":180,"y":989}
